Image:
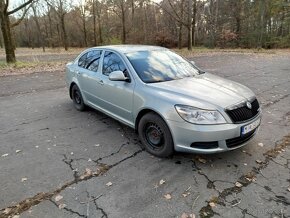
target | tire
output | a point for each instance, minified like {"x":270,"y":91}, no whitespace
{"x":77,"y":98}
{"x":155,"y":135}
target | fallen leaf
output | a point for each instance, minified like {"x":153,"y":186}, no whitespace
{"x":185,"y":194}
{"x":109,"y":184}
{"x":212,"y":204}
{"x":89,"y":160}
{"x":288,"y":189}
{"x":17,"y":151}
{"x":201,"y":160}
{"x":245,"y":164}
{"x":167,"y":196}
{"x":184,"y":215}
{"x":7,"y":210}
{"x":239,"y":185}
{"x":261,"y":144}
{"x":71,"y":153}
{"x":88,"y":171}
{"x":161,"y":182}
{"x":58,"y":198}
{"x":37,"y":146}
{"x":61,"y":206}
{"x":23,"y":179}
{"x":97,"y":145}
{"x":4,"y":155}
{"x":259,"y":161}
{"x":250,"y":179}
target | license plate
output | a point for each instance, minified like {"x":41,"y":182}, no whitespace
{"x":250,"y":127}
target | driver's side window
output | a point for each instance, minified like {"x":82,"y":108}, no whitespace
{"x":112,"y":62}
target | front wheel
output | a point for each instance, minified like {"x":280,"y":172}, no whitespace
{"x":77,"y":98}
{"x":155,"y":135}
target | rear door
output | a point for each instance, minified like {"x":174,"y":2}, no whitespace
{"x":89,"y":75}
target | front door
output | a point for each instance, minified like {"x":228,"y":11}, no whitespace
{"x":117,"y":96}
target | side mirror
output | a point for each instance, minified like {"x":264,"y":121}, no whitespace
{"x":117,"y":76}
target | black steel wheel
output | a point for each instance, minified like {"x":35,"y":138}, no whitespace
{"x":155,"y":135}
{"x":77,"y":98}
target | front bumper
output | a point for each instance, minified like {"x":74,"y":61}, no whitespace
{"x":209,"y":139}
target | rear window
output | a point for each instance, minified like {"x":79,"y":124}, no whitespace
{"x":90,"y":60}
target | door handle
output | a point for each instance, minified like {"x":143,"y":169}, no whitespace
{"x":101,"y":82}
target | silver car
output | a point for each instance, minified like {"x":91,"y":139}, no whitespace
{"x":171,"y":103}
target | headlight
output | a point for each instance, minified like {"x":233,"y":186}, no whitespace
{"x":199,"y":116}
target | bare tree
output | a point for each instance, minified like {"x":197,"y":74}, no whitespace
{"x":61,"y":7}
{"x":189,"y":25}
{"x":83,"y":15}
{"x":6,"y":27}
{"x":40,"y":33}
{"x":119,"y":7}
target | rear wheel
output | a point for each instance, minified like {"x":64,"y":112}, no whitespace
{"x":155,"y":135}
{"x":77,"y":98}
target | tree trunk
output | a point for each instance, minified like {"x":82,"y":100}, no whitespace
{"x":94,"y":23}
{"x":40,"y":34}
{"x":51,"y":43}
{"x":123,"y":24}
{"x":100,"y":29}
{"x":145,"y":39}
{"x":180,"y":36}
{"x":7,"y":38}
{"x":193,"y":22}
{"x":189,"y":27}
{"x":65,"y":43}
{"x":85,"y":30}
{"x":98,"y":11}
{"x":180,"y":25}
{"x":261,"y":23}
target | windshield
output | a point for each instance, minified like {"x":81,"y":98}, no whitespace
{"x":160,"y":66}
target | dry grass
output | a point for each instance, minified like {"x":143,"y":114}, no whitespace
{"x":35,"y":60}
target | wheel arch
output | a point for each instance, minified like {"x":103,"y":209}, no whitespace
{"x":144,"y":111}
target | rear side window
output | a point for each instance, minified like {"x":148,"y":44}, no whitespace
{"x":112,"y":62}
{"x":90,"y":60}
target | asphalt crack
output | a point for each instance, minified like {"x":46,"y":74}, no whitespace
{"x":68,"y":209}
{"x":27,"y":203}
{"x":98,"y":208}
{"x":275,"y":101}
{"x":247,"y":179}
{"x":69,"y":163}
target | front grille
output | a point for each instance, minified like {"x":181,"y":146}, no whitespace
{"x":243,"y":113}
{"x":205,"y":145}
{"x":234,"y":142}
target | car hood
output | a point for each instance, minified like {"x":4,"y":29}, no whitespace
{"x":206,"y":88}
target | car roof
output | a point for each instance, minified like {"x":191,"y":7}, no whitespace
{"x":131,"y":48}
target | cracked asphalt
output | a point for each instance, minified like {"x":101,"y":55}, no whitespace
{"x":97,"y":165}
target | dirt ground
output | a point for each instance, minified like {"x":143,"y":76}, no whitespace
{"x":58,"y":162}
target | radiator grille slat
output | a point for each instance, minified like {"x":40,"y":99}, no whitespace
{"x":244,"y":113}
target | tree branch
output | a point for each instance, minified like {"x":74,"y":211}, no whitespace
{"x":6,"y":5}
{"x":170,"y":14}
{"x":19,"y":7}
{"x":21,"y":18}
